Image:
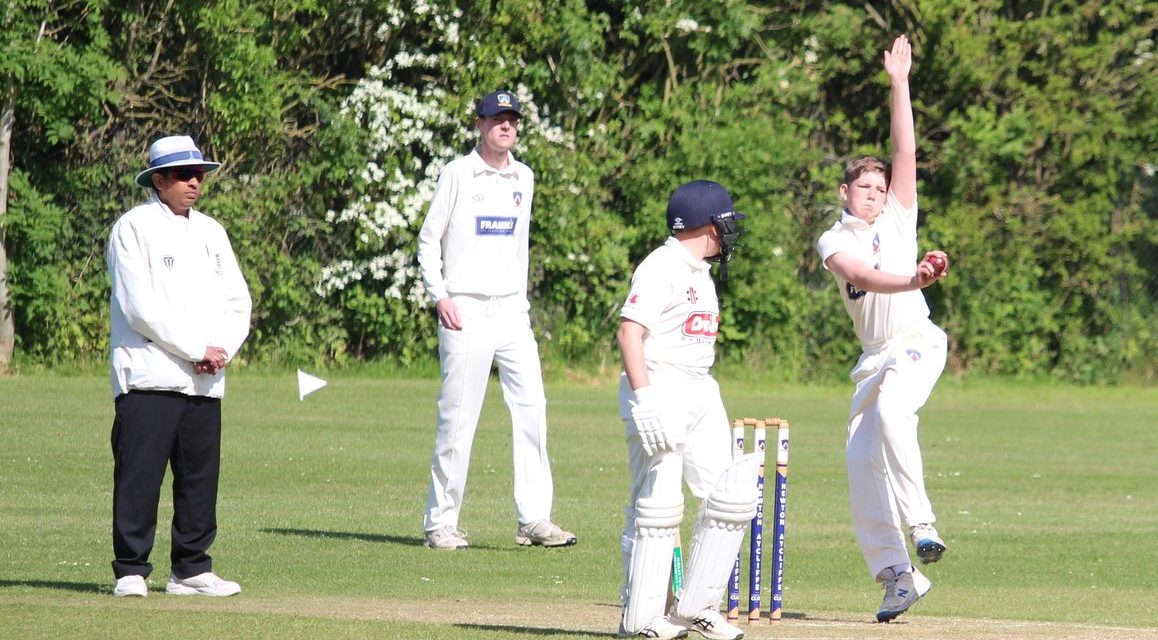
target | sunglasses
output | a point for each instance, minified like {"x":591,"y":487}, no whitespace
{"x":187,"y":174}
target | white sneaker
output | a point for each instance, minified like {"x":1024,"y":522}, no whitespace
{"x":710,"y":624}
{"x":205,"y":584}
{"x":447,"y":539}
{"x":131,"y":586}
{"x":922,"y":584}
{"x":900,"y":594}
{"x":659,"y":627}
{"x":544,"y":533}
{"x":930,"y":547}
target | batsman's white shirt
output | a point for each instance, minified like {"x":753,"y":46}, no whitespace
{"x":473,"y":248}
{"x":673,"y":296}
{"x":903,"y":356}
{"x":176,"y":290}
{"x":889,"y":244}
{"x":476,"y":234}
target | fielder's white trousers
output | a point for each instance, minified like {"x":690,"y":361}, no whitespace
{"x":498,"y":331}
{"x":886,"y":477}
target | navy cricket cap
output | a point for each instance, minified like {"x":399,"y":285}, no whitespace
{"x":697,"y":203}
{"x":497,"y":102}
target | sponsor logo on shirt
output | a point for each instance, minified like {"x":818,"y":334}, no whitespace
{"x":633,"y":298}
{"x":494,"y":226}
{"x":168,"y":260}
{"x":702,"y":324}
{"x":692,"y":295}
{"x":517,"y":196}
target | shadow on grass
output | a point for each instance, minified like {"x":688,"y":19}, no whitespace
{"x":536,"y":631}
{"x":409,"y":541}
{"x":82,"y":587}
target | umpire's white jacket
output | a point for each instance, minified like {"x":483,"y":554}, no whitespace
{"x":176,"y":290}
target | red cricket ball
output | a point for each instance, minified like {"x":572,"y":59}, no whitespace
{"x":938,"y":264}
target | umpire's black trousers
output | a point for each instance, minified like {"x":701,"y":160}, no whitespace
{"x":151,"y":430}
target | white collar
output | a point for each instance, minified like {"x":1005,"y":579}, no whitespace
{"x":695,"y":263}
{"x":480,"y":166}
{"x":154,"y":198}
{"x":851,"y":221}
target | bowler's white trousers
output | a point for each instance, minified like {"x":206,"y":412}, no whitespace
{"x":886,"y":477}
{"x":494,"y":330}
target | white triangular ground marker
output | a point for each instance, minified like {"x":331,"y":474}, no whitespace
{"x":308,"y":384}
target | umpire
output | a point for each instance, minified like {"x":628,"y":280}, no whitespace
{"x":180,"y":311}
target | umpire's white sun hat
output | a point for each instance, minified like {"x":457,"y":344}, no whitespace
{"x":173,"y":151}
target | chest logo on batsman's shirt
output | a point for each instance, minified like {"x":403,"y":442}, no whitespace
{"x":168,"y":260}
{"x":692,"y":297}
{"x":517,"y":196}
{"x":494,"y":226}
{"x":702,"y":324}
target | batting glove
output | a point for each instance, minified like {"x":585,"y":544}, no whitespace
{"x":649,"y":416}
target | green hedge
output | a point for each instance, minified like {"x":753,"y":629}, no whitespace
{"x":1035,"y":132}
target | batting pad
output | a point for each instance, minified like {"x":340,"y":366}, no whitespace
{"x":718,"y":535}
{"x":650,"y":564}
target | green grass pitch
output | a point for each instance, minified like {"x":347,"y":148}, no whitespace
{"x":1047,"y":497}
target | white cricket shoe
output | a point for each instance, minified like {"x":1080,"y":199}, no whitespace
{"x":204,"y":584}
{"x":659,"y":627}
{"x":447,"y":538}
{"x":921,"y":583}
{"x":131,"y":586}
{"x":544,"y":533}
{"x":930,"y":547}
{"x":709,"y":623}
{"x":900,"y":594}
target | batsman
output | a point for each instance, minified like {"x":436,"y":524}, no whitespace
{"x":676,"y":426}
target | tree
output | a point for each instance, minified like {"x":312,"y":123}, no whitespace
{"x":56,"y":76}
{"x":7,"y":327}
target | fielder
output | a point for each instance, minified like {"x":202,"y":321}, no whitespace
{"x":872,"y":253}
{"x":676,"y":425}
{"x":473,"y":254}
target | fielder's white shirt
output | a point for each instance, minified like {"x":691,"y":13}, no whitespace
{"x":475,"y":237}
{"x":890,"y":245}
{"x":674,"y":297}
{"x":176,"y":290}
